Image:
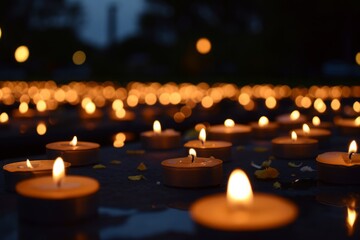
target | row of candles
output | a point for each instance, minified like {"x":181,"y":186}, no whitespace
{"x":202,"y":168}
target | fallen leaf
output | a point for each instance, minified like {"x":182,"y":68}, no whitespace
{"x":99,"y":166}
{"x":141,"y":167}
{"x":260,"y":149}
{"x":307,"y":169}
{"x":136,"y":177}
{"x":277,"y":185}
{"x":115,"y":162}
{"x":266,"y":163}
{"x":267,"y":173}
{"x":294,"y":165}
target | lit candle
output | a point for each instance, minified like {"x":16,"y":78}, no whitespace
{"x":230,"y":132}
{"x":24,"y":111}
{"x":4,"y":120}
{"x":76,"y":152}
{"x":294,"y":147}
{"x":160,"y":140}
{"x":217,"y":149}
{"x":263,"y":129}
{"x":348,"y":126}
{"x":317,"y":123}
{"x":58,"y":199}
{"x":18,"y":171}
{"x":192,"y":171}
{"x":291,"y":121}
{"x":340,"y":167}
{"x":89,"y":111}
{"x":322,"y":135}
{"x":242,"y":210}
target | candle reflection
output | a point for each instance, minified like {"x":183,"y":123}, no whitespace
{"x":351,"y":218}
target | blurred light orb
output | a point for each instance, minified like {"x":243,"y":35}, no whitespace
{"x":79,"y":57}
{"x":41,"y":128}
{"x":0,"y":33}
{"x":203,"y":45}
{"x":357,"y":58}
{"x":22,"y":54}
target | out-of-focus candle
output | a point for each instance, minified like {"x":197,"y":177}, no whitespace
{"x":217,"y":149}
{"x":230,"y":132}
{"x":242,"y":210}
{"x":192,"y":171}
{"x":317,"y":123}
{"x":58,"y":199}
{"x":322,"y":135}
{"x":291,"y":121}
{"x":24,"y":111}
{"x":76,"y":152}
{"x":263,"y":129}
{"x":348,"y":126}
{"x":340,"y":167}
{"x":159,"y":139}
{"x":18,"y":171}
{"x":294,"y":147}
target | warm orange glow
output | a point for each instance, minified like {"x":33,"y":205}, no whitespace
{"x":207,"y":102}
{"x":28,"y":164}
{"x":117,"y":104}
{"x":150,"y":99}
{"x":357,"y":121}
{"x":352,"y":147}
{"x":192,"y":152}
{"x":132,"y":100}
{"x":244,"y":99}
{"x":335,"y":104}
{"x":0,"y":33}
{"x":202,"y":135}
{"x":120,"y":113}
{"x":356,"y":106}
{"x":239,"y":193}
{"x":229,"y":123}
{"x":203,"y":45}
{"x":319,"y":105}
{"x":293,"y":136}
{"x":199,"y":126}
{"x":58,"y":171}
{"x":119,"y":140}
{"x":357,"y":58}
{"x":294,"y":115}
{"x":22,"y":54}
{"x":179,"y":117}
{"x":351,"y":217}
{"x":4,"y":117}
{"x":306,"y":102}
{"x":74,"y":141}
{"x":79,"y":57}
{"x":157,"y":127}
{"x":41,"y":128}
{"x":270,"y":102}
{"x":316,"y":121}
{"x":263,"y":121}
{"x":41,"y":106}
{"x":23,"y":107}
{"x":306,"y":129}
{"x":90,"y":107}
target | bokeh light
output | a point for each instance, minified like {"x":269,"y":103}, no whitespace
{"x":41,"y":128}
{"x":79,"y":57}
{"x":22,"y":54}
{"x":203,"y":45}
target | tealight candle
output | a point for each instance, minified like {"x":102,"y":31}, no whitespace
{"x":263,"y":129}
{"x":158,"y":139}
{"x":291,"y":121}
{"x":58,"y":199}
{"x":24,"y":111}
{"x":192,"y":171}
{"x":230,"y":132}
{"x":348,"y":126}
{"x":217,"y":149}
{"x":122,"y":115}
{"x":242,"y":210}
{"x":339,"y":167}
{"x":77,"y":153}
{"x":317,"y":123}
{"x":322,"y":135}
{"x":294,"y":147}
{"x":18,"y":171}
{"x":4,"y":120}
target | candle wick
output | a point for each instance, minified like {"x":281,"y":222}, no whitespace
{"x":58,"y":184}
{"x":350,"y":155}
{"x":192,"y":158}
{"x":202,"y":142}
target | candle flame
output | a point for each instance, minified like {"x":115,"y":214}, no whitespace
{"x":357,"y":121}
{"x":351,"y":217}
{"x":192,"y":152}
{"x":58,"y":171}
{"x":4,"y":117}
{"x":90,"y":107}
{"x":263,"y":121}
{"x":316,"y":121}
{"x":239,"y":192}
{"x":293,"y":136}
{"x":28,"y":164}
{"x":74,"y":141}
{"x":306,"y":129}
{"x":352,"y":147}
{"x":157,"y":126}
{"x":202,"y":135}
{"x":23,"y":107}
{"x":229,"y":123}
{"x":294,"y":115}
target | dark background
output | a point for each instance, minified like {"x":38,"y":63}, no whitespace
{"x":281,"y":41}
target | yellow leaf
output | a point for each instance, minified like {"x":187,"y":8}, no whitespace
{"x":142,"y":167}
{"x":136,"y":177}
{"x":267,"y":173}
{"x":115,"y":162}
{"x":99,"y":166}
{"x":266,"y":163}
{"x":277,"y":185}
